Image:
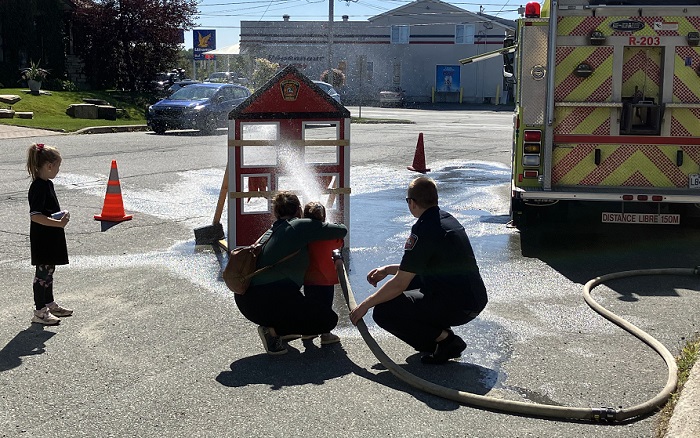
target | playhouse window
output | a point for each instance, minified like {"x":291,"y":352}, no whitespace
{"x":259,"y":155}
{"x":321,"y":154}
{"x":254,"y":183}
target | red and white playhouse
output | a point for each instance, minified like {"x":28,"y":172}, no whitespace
{"x":289,"y":135}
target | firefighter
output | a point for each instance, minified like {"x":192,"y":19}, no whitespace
{"x":436,"y":286}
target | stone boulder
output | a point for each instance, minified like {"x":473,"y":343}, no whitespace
{"x":9,"y":99}
{"x":82,"y":111}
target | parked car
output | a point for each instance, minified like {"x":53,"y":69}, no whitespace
{"x":162,"y":81}
{"x":179,"y":84}
{"x":230,"y":77}
{"x":165,"y":79}
{"x":328,"y":88}
{"x":394,"y":97}
{"x":197,"y":106}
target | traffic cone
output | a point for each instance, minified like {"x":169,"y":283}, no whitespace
{"x":419,"y":157}
{"x":113,"y":209}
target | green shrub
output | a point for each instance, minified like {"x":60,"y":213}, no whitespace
{"x":56,"y":84}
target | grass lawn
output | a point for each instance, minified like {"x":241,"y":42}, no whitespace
{"x":50,"y":110}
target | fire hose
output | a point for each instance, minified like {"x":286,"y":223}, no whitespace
{"x":537,"y":409}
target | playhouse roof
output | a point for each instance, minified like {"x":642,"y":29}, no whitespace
{"x":289,"y":94}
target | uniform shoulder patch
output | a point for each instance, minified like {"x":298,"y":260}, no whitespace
{"x":410,"y":242}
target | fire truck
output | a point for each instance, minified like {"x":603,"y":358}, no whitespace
{"x":607,"y":110}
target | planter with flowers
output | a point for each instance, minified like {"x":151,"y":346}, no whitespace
{"x":34,"y":75}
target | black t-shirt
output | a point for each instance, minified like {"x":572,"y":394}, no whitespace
{"x":48,"y":244}
{"x":438,"y":251}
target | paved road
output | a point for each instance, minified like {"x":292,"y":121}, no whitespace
{"x":157,"y":345}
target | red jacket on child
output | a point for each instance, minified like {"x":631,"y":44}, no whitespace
{"x":321,"y":271}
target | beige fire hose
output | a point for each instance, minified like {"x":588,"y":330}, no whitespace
{"x":535,"y":409}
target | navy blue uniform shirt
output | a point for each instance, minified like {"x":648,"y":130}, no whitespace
{"x":438,"y":251}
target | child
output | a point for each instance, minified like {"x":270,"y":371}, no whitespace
{"x":46,"y":235}
{"x":321,"y":274}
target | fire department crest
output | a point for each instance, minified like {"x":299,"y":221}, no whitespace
{"x":290,"y":89}
{"x":410,"y":242}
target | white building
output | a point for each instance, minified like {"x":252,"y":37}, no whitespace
{"x":416,"y":47}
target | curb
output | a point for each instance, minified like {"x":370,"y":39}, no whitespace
{"x":685,"y":420}
{"x":111,"y":129}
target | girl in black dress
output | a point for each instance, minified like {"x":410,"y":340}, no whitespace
{"x":46,"y":234}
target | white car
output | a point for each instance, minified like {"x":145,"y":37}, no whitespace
{"x":328,"y":88}
{"x":394,"y":97}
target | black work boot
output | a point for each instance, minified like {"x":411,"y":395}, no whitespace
{"x":449,"y":348}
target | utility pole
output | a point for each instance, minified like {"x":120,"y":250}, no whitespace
{"x":331,"y":75}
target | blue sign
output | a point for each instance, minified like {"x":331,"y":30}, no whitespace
{"x":202,"y":41}
{"x":447,"y":78}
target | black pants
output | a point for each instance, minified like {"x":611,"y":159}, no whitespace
{"x":43,"y":285}
{"x":323,"y":294}
{"x":282,"y":306}
{"x":418,"y":319}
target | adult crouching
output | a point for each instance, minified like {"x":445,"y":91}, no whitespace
{"x":274,"y":300}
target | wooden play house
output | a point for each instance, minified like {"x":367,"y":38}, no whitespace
{"x":289,"y":135}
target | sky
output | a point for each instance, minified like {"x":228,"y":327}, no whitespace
{"x":225,"y":16}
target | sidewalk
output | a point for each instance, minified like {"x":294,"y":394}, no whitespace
{"x":10,"y":131}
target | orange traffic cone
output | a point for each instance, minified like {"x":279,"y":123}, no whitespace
{"x":113,"y":209}
{"x":419,"y":157}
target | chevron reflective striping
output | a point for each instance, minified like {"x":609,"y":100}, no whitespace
{"x":579,"y":26}
{"x":595,"y":88}
{"x":636,"y":180}
{"x":685,"y":122}
{"x":625,"y":165}
{"x":642,"y":71}
{"x":686,"y":82}
{"x":693,"y":153}
{"x":582,"y":120}
{"x":572,"y":164}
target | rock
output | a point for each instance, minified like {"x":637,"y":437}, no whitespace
{"x":9,"y":99}
{"x":82,"y":111}
{"x":95,"y":101}
{"x":107,"y":112}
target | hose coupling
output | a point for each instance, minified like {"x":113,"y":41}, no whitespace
{"x":604,"y":414}
{"x":337,"y":255}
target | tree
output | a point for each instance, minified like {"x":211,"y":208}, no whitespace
{"x":124,"y":43}
{"x":264,"y":71}
{"x":31,"y":31}
{"x":337,"y":79}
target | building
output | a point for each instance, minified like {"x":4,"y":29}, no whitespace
{"x":35,"y":31}
{"x":416,"y":47}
